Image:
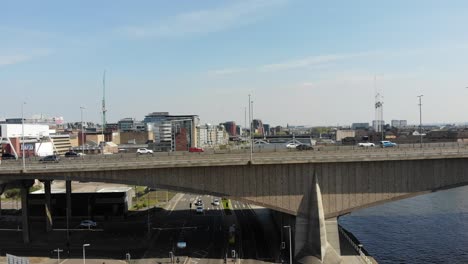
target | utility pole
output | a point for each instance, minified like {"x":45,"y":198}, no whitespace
{"x":103,"y":110}
{"x":420,"y":121}
{"x":22,"y":128}
{"x":82,"y":131}
{"x":250,"y":132}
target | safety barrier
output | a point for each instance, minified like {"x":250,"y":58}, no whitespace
{"x":358,"y":249}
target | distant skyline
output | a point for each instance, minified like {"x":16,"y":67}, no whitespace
{"x":304,"y":62}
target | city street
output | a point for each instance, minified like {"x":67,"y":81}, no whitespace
{"x":205,"y":236}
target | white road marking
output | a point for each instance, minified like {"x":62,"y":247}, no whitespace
{"x":175,"y":203}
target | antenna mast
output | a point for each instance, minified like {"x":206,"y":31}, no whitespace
{"x":104,"y":102}
{"x":379,"y":123}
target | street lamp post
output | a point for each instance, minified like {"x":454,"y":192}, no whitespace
{"x":82,"y":130}
{"x":420,"y":120}
{"x":22,"y":140}
{"x":290,"y":245}
{"x":250,"y":132}
{"x":58,"y":250}
{"x":84,"y":252}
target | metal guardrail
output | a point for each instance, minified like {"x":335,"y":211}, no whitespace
{"x":358,"y":249}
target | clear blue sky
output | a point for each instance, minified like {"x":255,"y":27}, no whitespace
{"x":303,"y":62}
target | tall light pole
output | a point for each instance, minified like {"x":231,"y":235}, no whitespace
{"x":250,"y":132}
{"x":84,"y":255}
{"x":420,"y":120}
{"x":290,"y":245}
{"x":82,"y":130}
{"x":58,"y":250}
{"x":22,"y":140}
{"x":253,"y":133}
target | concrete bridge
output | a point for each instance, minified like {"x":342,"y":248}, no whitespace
{"x":306,"y":187}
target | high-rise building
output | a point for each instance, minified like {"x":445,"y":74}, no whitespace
{"x":359,"y":126}
{"x":399,"y":123}
{"x":231,"y":128}
{"x":266,"y":129}
{"x":258,"y":126}
{"x":168,"y":130}
{"x":212,"y":135}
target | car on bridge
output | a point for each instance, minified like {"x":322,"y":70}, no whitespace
{"x":8,"y":156}
{"x":292,"y":145}
{"x":196,"y":150}
{"x":144,"y":151}
{"x":50,"y":158}
{"x":72,"y":154}
{"x":387,"y":144}
{"x":216,"y":202}
{"x":366,"y":144}
{"x":304,"y":147}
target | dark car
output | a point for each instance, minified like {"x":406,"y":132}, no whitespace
{"x":304,"y":147}
{"x":71,"y":154}
{"x":50,"y":158}
{"x":8,"y":156}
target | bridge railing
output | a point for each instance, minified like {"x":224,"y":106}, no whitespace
{"x":356,"y":247}
{"x":244,"y":156}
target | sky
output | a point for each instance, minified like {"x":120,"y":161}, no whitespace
{"x":303,"y":62}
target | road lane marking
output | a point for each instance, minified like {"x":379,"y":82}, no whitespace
{"x":175,"y":203}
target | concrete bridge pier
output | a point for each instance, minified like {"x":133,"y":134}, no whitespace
{"x":68,"y":191}
{"x":2,"y":189}
{"x":311,"y":240}
{"x":47,"y":207}
{"x":24,"y":211}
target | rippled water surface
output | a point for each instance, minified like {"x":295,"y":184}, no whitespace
{"x":431,"y":228}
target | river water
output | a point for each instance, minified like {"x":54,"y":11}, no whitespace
{"x":431,"y":228}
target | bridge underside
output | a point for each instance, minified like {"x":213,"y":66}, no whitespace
{"x":292,"y":188}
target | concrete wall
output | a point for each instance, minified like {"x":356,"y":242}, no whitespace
{"x":345,"y":186}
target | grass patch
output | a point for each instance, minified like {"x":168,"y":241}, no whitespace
{"x":146,"y":198}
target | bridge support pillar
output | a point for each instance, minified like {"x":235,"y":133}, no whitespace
{"x":2,"y":189}
{"x":68,"y":191}
{"x":310,"y":231}
{"x":24,"y":212}
{"x":48,"y":213}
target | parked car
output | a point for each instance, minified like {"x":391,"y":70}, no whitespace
{"x":292,"y":145}
{"x":8,"y":156}
{"x":144,"y":151}
{"x":196,"y":150}
{"x":216,"y":202}
{"x":50,"y":158}
{"x":387,"y":144}
{"x":88,"y":223}
{"x":304,"y":147}
{"x":366,"y":144}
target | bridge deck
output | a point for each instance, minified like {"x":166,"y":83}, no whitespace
{"x":160,"y":160}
